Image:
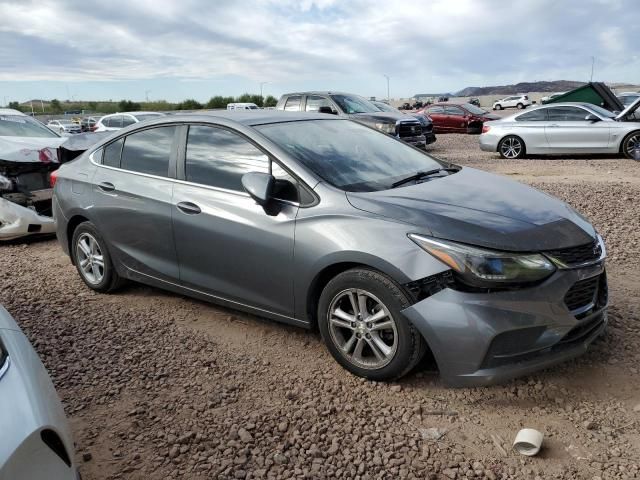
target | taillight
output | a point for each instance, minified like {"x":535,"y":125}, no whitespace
{"x":53,"y":177}
{"x":93,"y":129}
{"x":485,"y":128}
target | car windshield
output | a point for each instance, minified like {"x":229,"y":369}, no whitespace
{"x":471,"y":108}
{"x":146,"y":116}
{"x":348,"y":155}
{"x":354,"y":104}
{"x":23,"y":126}
{"x":383,"y":107}
{"x":602,"y":112}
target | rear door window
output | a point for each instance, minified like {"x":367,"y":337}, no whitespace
{"x":539,"y":115}
{"x":435,"y":110}
{"x":314,"y":103}
{"x":149,"y":151}
{"x":457,"y":111}
{"x":293,"y":103}
{"x":567,"y":114}
{"x":127,"y":120}
{"x":114,"y":122}
{"x":219,"y":158}
{"x":111,"y":155}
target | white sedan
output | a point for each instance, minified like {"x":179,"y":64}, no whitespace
{"x":564,"y":129}
{"x":36,"y":441}
{"x":64,"y":126}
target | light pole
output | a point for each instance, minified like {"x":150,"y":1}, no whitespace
{"x":146,"y":95}
{"x":262,"y":84}
{"x":593,"y":61}
{"x":388,"y":96}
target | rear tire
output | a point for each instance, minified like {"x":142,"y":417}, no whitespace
{"x":360,"y":320}
{"x":498,"y":107}
{"x":519,"y":106}
{"x":512,"y":147}
{"x":630,"y":143}
{"x":92,"y":259}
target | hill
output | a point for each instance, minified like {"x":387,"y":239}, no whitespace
{"x":523,"y":87}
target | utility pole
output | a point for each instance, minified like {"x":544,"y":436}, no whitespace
{"x":42,"y":105}
{"x":388,"y":96}
{"x":593,"y":61}
{"x":262,"y":84}
{"x":146,"y":95}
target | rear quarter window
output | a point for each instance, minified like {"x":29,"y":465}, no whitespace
{"x":148,"y":151}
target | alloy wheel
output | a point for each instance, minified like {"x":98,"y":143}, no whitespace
{"x":631,"y":144}
{"x":362,"y":328}
{"x":511,"y":147}
{"x":90,"y":259}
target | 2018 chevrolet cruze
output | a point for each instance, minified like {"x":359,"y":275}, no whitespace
{"x":319,"y":221}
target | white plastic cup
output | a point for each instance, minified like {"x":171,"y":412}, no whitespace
{"x":528,"y":442}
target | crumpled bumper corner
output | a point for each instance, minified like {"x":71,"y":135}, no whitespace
{"x":17,"y":221}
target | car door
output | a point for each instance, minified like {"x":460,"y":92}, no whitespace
{"x":509,"y":102}
{"x":567,"y":131}
{"x":438,"y":117}
{"x":313,"y":103}
{"x":229,"y":246}
{"x":293,"y":103}
{"x":455,"y":119}
{"x":531,"y":127}
{"x":132,"y":192}
{"x":114,"y":123}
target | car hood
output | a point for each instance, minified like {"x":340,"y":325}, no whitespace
{"x":381,"y":117}
{"x":629,"y":110}
{"x":30,"y":149}
{"x":479,"y":208}
{"x":490,"y":116}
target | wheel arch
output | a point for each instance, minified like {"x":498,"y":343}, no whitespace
{"x":623,"y":140}
{"x":72,"y":224}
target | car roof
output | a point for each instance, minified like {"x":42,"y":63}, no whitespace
{"x":245,"y":117}
{"x":134,"y":113}
{"x":11,"y":111}
{"x":321,"y":92}
{"x":565,"y":104}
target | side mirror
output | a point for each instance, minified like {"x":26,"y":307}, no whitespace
{"x":592,"y":118}
{"x":326,"y":109}
{"x":259,"y":186}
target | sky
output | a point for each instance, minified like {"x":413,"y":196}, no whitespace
{"x":173,"y":50}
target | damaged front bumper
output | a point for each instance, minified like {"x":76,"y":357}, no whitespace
{"x":481,"y":339}
{"x":17,"y":221}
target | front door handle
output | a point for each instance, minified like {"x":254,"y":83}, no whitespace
{"x":106,"y":186}
{"x":189,"y":208}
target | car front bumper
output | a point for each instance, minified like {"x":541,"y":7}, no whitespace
{"x":486,"y":338}
{"x":18,"y":221}
{"x":36,"y":439}
{"x":419,"y":141}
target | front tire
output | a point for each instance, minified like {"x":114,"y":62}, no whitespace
{"x":520,"y":106}
{"x":360,"y":320}
{"x":630,"y":143}
{"x":512,"y":147}
{"x":498,"y":107}
{"x":92,"y":259}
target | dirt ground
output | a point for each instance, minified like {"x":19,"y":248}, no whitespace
{"x":161,"y":386}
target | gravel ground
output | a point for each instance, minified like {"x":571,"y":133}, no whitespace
{"x":161,"y":386}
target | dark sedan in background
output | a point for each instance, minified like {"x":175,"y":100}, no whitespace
{"x":458,"y":118}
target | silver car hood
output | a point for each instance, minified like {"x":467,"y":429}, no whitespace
{"x":629,"y":110}
{"x":30,"y":149}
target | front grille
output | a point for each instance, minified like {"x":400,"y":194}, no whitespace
{"x":573,"y":256}
{"x":427,"y":128}
{"x":591,"y":292}
{"x":409,"y":129}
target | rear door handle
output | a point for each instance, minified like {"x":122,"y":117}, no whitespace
{"x":106,"y":186}
{"x":189,"y":208}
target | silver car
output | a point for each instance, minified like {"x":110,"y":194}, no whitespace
{"x":564,"y":129}
{"x":36,"y":440}
{"x":319,"y":221}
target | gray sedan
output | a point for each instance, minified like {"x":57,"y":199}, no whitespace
{"x":36,"y":440}
{"x":322,"y":222}
{"x":564,"y":129}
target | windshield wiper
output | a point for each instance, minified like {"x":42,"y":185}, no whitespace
{"x":420,"y":175}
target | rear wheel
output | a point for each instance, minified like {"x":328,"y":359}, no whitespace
{"x":630,"y":143}
{"x":511,"y":147}
{"x":360,"y":320}
{"x":92,"y":259}
{"x":519,"y":106}
{"x":498,"y":107}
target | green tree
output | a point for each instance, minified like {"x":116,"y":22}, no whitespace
{"x":217,"y":102}
{"x":189,"y":104}
{"x":128,"y":106}
{"x":55,"y":105}
{"x":270,"y":101}
{"x":14,"y":105}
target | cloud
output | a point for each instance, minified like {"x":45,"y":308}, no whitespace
{"x":417,"y":43}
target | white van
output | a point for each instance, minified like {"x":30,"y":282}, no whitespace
{"x":242,"y":106}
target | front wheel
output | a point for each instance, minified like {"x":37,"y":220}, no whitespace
{"x":498,"y":107}
{"x":360,"y":320}
{"x":511,"y":147}
{"x":630,"y":144}
{"x":520,"y":106}
{"x":92,"y":259}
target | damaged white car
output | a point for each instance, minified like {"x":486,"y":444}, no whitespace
{"x":29,"y":152}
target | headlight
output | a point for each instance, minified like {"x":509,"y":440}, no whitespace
{"x":487,"y":268}
{"x":389,"y":128}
